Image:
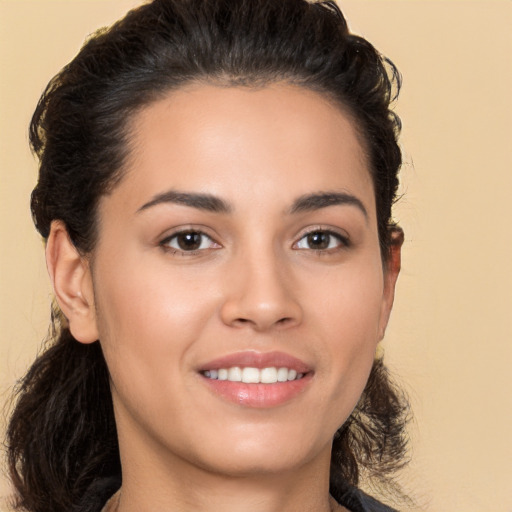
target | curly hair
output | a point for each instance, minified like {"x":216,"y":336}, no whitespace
{"x":62,"y":436}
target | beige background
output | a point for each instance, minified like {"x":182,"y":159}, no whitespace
{"x":450,"y":339}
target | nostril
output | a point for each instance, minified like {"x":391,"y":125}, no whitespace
{"x":242,"y":321}
{"x":281,"y":322}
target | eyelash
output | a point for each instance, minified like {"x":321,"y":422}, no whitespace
{"x":341,"y":242}
{"x":166,"y":242}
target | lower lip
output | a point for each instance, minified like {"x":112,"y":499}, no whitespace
{"x":258,"y":395}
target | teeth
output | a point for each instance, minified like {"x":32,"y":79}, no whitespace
{"x":250,"y":375}
{"x":235,"y":374}
{"x":269,"y":375}
{"x":282,"y":374}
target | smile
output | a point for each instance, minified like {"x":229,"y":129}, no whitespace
{"x":249,"y":375}
{"x":256,"y":379}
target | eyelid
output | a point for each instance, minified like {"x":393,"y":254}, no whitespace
{"x":165,"y":240}
{"x":341,"y":235}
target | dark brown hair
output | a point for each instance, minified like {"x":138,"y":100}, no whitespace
{"x":62,"y":437}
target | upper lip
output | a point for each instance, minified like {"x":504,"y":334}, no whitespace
{"x":254,"y":359}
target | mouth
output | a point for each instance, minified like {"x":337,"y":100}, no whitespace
{"x":256,"y":379}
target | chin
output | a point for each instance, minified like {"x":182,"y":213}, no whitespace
{"x":261,"y":452}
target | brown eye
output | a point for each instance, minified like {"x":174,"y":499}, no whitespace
{"x":322,"y":240}
{"x":188,"y":241}
{"x":319,"y":240}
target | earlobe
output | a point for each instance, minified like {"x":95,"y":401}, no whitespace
{"x":392,"y":269}
{"x":72,"y":282}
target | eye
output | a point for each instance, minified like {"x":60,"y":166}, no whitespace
{"x":322,"y":240}
{"x":189,"y":241}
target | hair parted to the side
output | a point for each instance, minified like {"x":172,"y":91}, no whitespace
{"x":61,"y":437}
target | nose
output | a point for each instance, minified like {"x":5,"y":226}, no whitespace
{"x":260,"y":294}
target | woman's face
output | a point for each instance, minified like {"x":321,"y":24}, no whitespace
{"x":240,"y":244}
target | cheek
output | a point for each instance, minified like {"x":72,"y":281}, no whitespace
{"x":347,"y":323}
{"x":148,"y":322}
{"x":146,"y":304}
{"x":348,"y":301}
{"x":147,"y":319}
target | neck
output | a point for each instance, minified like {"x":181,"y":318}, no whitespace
{"x":154,"y":482}
{"x":231,"y":497}
{"x":114,"y":505}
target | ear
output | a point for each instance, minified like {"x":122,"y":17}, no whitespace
{"x":71,"y":279}
{"x":391,"y":270}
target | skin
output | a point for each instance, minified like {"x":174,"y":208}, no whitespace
{"x":256,"y":283}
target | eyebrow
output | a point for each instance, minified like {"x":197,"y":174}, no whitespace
{"x":206,"y":202}
{"x":311,"y":202}
{"x":211,"y":203}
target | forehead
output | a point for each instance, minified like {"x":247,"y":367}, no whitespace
{"x":278,"y":141}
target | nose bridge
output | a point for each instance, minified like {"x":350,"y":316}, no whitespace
{"x":260,"y":289}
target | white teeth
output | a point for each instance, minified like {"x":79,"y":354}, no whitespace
{"x":250,"y":375}
{"x":235,"y":374}
{"x":268,"y":375}
{"x":282,"y":374}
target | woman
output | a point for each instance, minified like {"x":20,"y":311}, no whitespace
{"x":215,"y":191}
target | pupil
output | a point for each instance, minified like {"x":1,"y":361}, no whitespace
{"x":189,"y":241}
{"x":318,"y":240}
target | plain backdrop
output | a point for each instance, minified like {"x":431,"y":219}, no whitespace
{"x":450,"y":338}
